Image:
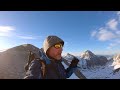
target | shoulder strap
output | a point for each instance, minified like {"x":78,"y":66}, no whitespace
{"x":44,"y":57}
{"x":31,"y":56}
{"x":43,"y":68}
{"x":43,"y":61}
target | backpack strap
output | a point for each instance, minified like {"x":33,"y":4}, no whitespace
{"x":31,"y":57}
{"x":44,"y":57}
{"x":44,"y":60}
{"x":43,"y":67}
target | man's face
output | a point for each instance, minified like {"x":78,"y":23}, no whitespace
{"x":55,"y":52}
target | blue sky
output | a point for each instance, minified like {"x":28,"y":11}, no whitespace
{"x":98,"y":31}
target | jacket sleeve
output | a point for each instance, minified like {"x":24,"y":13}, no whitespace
{"x":69,"y":71}
{"x":34,"y":71}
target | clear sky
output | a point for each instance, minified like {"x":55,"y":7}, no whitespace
{"x":97,"y":31}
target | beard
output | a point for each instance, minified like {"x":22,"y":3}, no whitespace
{"x":58,"y":57}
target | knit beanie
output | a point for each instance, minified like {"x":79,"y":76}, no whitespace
{"x":50,"y":41}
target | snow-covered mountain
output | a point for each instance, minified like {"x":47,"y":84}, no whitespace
{"x":93,"y":60}
{"x":68,"y":56}
{"x":116,"y":61}
{"x":108,"y":70}
{"x":88,"y":55}
{"x":88,"y":60}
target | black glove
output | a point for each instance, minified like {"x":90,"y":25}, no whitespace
{"x":74,"y":62}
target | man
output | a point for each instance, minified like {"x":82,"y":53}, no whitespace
{"x":52,"y":50}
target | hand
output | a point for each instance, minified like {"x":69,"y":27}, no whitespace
{"x":74,"y":62}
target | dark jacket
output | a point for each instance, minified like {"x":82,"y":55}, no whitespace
{"x":54,"y":70}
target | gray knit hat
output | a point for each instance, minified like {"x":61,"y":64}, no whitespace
{"x":50,"y":41}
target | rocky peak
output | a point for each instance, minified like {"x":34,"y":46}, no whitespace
{"x":116,"y":57}
{"x":24,"y":47}
{"x":87,"y":54}
{"x":69,"y":56}
{"x":116,"y":60}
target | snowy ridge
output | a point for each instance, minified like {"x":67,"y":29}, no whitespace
{"x":87,"y":55}
{"x":107,"y":71}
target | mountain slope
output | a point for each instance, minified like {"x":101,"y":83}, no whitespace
{"x":12,"y":61}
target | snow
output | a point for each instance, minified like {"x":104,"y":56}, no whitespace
{"x":100,"y":72}
{"x":73,"y":76}
{"x":116,"y":66}
{"x":103,"y":72}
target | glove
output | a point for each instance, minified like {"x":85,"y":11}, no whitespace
{"x":74,"y":62}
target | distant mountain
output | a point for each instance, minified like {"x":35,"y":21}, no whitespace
{"x":92,"y":59}
{"x":88,"y":55}
{"x":69,"y":56}
{"x":12,"y":61}
{"x":116,"y":58}
{"x":116,"y":61}
{"x":88,"y":59}
{"x":109,"y":57}
{"x":109,"y":65}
